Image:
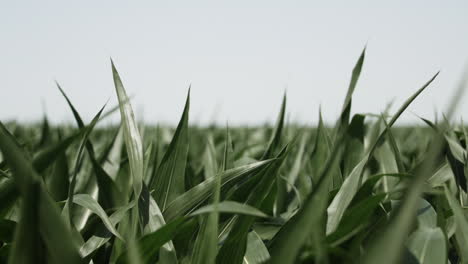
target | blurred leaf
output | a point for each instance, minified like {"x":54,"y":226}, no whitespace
{"x":257,"y":252}
{"x":27,"y":246}
{"x":428,"y":245}
{"x":8,"y":195}
{"x":457,"y":150}
{"x":426,"y":216}
{"x":461,"y":231}
{"x":7,"y":228}
{"x":354,"y":149}
{"x":46,"y":157}
{"x":456,"y":157}
{"x":58,"y":182}
{"x":45,"y":133}
{"x":40,"y":221}
{"x":443,"y":174}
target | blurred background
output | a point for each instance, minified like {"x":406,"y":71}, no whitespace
{"x":240,"y":57}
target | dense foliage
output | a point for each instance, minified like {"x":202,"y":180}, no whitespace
{"x":359,"y":191}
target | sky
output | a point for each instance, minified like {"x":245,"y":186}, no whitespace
{"x":238,"y":56}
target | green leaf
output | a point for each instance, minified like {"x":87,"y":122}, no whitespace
{"x":394,"y":146}
{"x":343,"y":121}
{"x":111,"y":160}
{"x":131,"y":134}
{"x":400,"y":111}
{"x":109,"y":193}
{"x":351,"y":184}
{"x":457,"y":150}
{"x":150,"y":244}
{"x":356,"y":219}
{"x":388,"y":248}
{"x":154,"y":221}
{"x":202,"y":191}
{"x":233,"y":249}
{"x":209,"y":159}
{"x":275,"y":139}
{"x":387,"y":164}
{"x":442,"y":175}
{"x":169,"y":182}
{"x":104,"y":235}
{"x":310,"y":221}
{"x":88,"y":202}
{"x":206,"y":244}
{"x":344,"y":197}
{"x":76,"y":115}
{"x":68,"y":209}
{"x":320,"y":155}
{"x":231,"y":207}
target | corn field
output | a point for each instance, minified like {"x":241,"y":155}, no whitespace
{"x":360,"y":190}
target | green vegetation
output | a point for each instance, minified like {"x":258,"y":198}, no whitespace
{"x":361,"y":191}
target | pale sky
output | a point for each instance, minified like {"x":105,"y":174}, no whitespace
{"x":239,"y":56}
